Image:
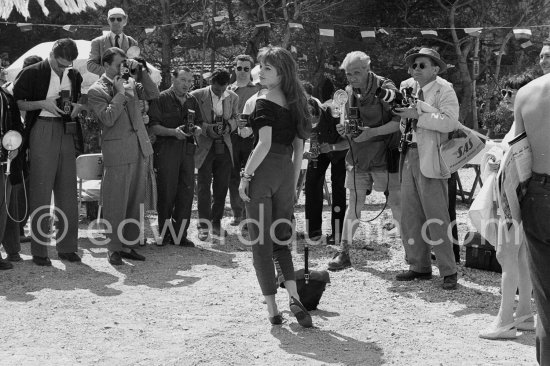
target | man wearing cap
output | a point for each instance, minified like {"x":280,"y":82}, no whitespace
{"x":241,"y":138}
{"x":424,"y":187}
{"x":117,"y":19}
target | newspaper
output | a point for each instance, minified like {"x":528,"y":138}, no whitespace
{"x":512,"y":178}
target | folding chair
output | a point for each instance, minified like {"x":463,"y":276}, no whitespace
{"x":89,"y":167}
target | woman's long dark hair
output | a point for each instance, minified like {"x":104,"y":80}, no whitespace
{"x":291,"y":86}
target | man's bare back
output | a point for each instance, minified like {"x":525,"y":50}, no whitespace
{"x":532,"y":114}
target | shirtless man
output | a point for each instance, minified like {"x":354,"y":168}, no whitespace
{"x":532,"y":115}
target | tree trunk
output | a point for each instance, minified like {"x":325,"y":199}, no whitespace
{"x":166,"y":37}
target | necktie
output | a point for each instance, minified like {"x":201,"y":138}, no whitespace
{"x":420,"y":96}
{"x":116,"y":41}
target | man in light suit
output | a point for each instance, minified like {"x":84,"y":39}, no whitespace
{"x":214,"y":155}
{"x":117,"y":19}
{"x":126,"y":150}
{"x":424,"y":196}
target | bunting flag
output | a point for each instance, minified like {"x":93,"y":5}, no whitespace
{"x":474,"y":32}
{"x":105,"y":30}
{"x":293,"y":49}
{"x":24,"y":27}
{"x":303,"y":58}
{"x":522,"y":33}
{"x":220,"y":18}
{"x":263,"y":25}
{"x":526,"y":44}
{"x":197,"y":26}
{"x":368,"y":36}
{"x":326,"y":33}
{"x":70,"y":28}
{"x":150,"y":30}
{"x":429,"y":33}
{"x":293,"y":25}
{"x":383,"y":31}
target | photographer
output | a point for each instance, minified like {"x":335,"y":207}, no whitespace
{"x":115,"y":100}
{"x":175,"y":120}
{"x":424,"y":182}
{"x":214,"y":157}
{"x":50,"y":132}
{"x":327,"y":147}
{"x":367,"y":159}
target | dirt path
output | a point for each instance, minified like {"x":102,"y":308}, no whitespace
{"x":201,"y":306}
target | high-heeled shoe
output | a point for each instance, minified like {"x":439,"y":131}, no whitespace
{"x":525,"y":322}
{"x":276,"y":320}
{"x":301,"y":313}
{"x":507,"y":331}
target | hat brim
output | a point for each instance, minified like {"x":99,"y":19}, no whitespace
{"x":442,"y":65}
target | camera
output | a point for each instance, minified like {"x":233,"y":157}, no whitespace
{"x":220,"y":125}
{"x":395,"y":98}
{"x":353,"y":122}
{"x":64,"y":102}
{"x":244,"y":118}
{"x":189,"y":126}
{"x":314,"y":148}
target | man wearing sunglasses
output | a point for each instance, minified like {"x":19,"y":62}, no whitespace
{"x":424,"y":181}
{"x":241,"y":138}
{"x":37,"y":90}
{"x":117,"y":19}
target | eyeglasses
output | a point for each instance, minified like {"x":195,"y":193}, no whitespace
{"x":119,"y":19}
{"x":421,"y":65}
{"x":63,"y":66}
{"x":240,"y":68}
{"x":507,"y":92}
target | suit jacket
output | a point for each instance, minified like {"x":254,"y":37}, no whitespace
{"x":230,"y":113}
{"x":99,"y":46}
{"x":433,"y":128}
{"x":123,"y":133}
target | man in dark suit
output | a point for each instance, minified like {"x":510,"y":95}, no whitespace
{"x":115,"y":38}
{"x":170,"y":116}
{"x":126,"y":150}
{"x":214,"y":156}
{"x":52,"y":149}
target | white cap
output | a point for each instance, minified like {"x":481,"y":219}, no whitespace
{"x":116,"y":11}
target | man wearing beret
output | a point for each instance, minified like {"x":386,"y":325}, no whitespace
{"x":424,"y":196}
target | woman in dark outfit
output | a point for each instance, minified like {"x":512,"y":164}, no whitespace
{"x":280,"y":122}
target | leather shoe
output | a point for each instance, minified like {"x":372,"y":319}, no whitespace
{"x":276,"y":320}
{"x":15,"y":257}
{"x":236,"y":221}
{"x":339,"y":261}
{"x":4,"y":264}
{"x":216,"y":231}
{"x":412,"y":275}
{"x":132,"y":254}
{"x":331,"y":240}
{"x":449,"y":282}
{"x":41,"y":261}
{"x":114,"y":258}
{"x":186,"y":243}
{"x":301,"y":313}
{"x":71,"y":257}
{"x":203,"y":234}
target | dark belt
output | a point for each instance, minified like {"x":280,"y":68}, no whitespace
{"x":412,"y":145}
{"x":45,"y":118}
{"x":540,"y":178}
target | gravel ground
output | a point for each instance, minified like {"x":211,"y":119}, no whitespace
{"x":202,"y":306}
